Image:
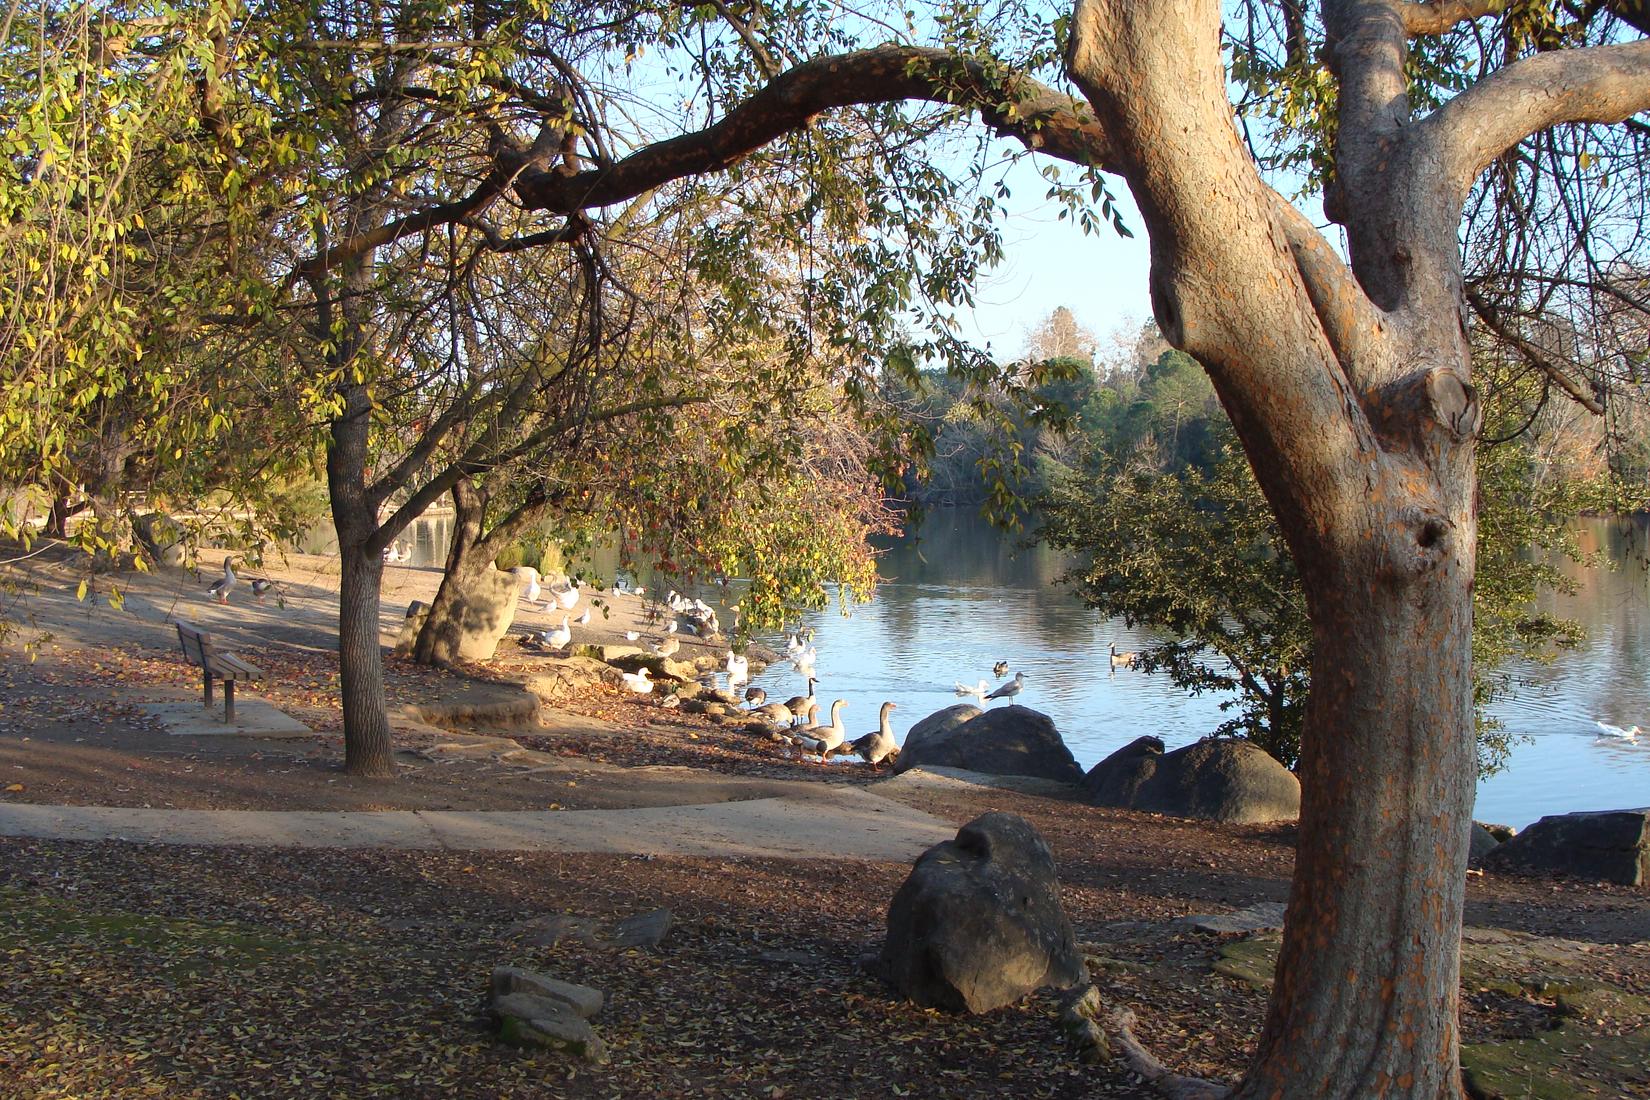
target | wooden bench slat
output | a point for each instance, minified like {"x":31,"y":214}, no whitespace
{"x":199,"y":651}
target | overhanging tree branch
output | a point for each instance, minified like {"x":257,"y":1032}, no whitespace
{"x":1601,"y":84}
{"x":1438,"y":16}
{"x":1532,"y":354}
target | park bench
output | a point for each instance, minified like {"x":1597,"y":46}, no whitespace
{"x":214,"y":663}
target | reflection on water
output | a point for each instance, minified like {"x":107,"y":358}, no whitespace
{"x":964,"y":596}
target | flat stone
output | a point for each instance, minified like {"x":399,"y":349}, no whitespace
{"x":1569,"y":1062}
{"x":582,"y":999}
{"x":529,"y":1020}
{"x":254,"y":717}
{"x":605,"y":653}
{"x":642,"y":930}
{"x":1261,"y":916}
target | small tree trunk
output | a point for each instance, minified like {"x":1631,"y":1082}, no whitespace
{"x":468,"y":560}
{"x":1364,"y":1003}
{"x":438,"y":639}
{"x":367,"y":749}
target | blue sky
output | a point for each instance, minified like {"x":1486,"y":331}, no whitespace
{"x":1101,"y":278}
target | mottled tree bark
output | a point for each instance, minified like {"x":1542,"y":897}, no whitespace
{"x":1351,"y":392}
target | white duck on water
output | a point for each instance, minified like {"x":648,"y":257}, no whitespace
{"x":1607,"y":732}
{"x":978,"y":691}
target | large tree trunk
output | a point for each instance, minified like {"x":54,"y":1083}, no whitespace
{"x":1364,"y":1003}
{"x":1359,"y":427}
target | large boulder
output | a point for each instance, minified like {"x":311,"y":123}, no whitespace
{"x":1116,"y":780}
{"x":978,"y":923}
{"x":473,"y":623}
{"x":1004,"y":741}
{"x":1608,"y":845}
{"x":1217,"y":779}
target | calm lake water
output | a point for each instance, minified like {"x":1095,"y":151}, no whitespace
{"x":961,"y":596}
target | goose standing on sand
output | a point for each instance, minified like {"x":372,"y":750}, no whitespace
{"x":559,"y":637}
{"x":261,"y":587}
{"x":1010,"y":689}
{"x":638,"y":682}
{"x":567,"y":598}
{"x":1122,"y":660}
{"x":879,"y":745}
{"x":826,"y":738}
{"x":1607,"y":732}
{"x":532,"y":576}
{"x":807,"y":718}
{"x":220,"y":588}
{"x":1000,"y":669}
{"x":777,"y":713}
{"x":978,"y":692}
{"x":669,"y":646}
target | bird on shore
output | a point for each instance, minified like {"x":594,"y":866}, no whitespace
{"x":532,"y":575}
{"x":880,"y":744}
{"x":978,"y":691}
{"x":669,"y":646}
{"x":825,"y":738}
{"x":807,"y":718}
{"x":395,"y":555}
{"x":1122,"y":660}
{"x":1607,"y":732}
{"x":797,"y":704}
{"x":261,"y":587}
{"x":583,"y":619}
{"x":638,"y":682}
{"x":755,"y":697}
{"x":631,"y":635}
{"x":1000,"y":669}
{"x":220,"y":588}
{"x":777,"y":713}
{"x":559,"y":637}
{"x":1010,"y":689}
{"x":566,"y":598}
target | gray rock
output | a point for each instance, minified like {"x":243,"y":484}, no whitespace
{"x":530,"y":1020}
{"x":1116,"y":780}
{"x":1259,"y":917}
{"x":1004,"y":741}
{"x":978,"y":923}
{"x":641,"y":930}
{"x":662,"y":668}
{"x":582,"y":999}
{"x":407,"y":636}
{"x":1481,"y":843}
{"x":481,"y":614}
{"x":936,"y":725}
{"x":1217,"y":779}
{"x":604,"y":653}
{"x":1608,"y":845}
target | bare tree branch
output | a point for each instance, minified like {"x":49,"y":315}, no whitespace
{"x":1532,"y":354}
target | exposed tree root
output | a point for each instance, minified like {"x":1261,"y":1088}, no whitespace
{"x":1172,"y":1085}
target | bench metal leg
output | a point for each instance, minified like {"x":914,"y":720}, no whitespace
{"x":206,"y":675}
{"x":229,"y":702}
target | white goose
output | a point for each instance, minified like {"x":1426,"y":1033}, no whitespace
{"x":559,"y":637}
{"x":532,"y":576}
{"x":567,"y":598}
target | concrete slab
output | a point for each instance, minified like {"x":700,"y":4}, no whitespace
{"x":838,"y":823}
{"x":254,"y":717}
